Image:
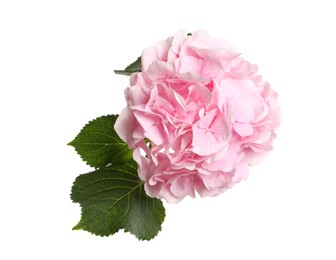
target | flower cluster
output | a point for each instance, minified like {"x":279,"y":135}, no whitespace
{"x":197,"y":117}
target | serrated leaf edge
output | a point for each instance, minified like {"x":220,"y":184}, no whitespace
{"x":140,"y":186}
{"x":73,"y":142}
{"x":129,"y":70}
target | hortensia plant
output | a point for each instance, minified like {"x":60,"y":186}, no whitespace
{"x":197,"y":117}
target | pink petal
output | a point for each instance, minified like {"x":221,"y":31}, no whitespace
{"x":190,"y":64}
{"x":153,"y":127}
{"x":241,"y":172}
{"x":243,"y":129}
{"x":209,"y":139}
{"x":125,"y":125}
{"x":160,"y":70}
{"x":183,"y":186}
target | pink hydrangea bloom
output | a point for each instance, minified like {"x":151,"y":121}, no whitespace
{"x":197,"y":117}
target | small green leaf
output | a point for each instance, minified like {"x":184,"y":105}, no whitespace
{"x":99,"y":145}
{"x":134,"y":67}
{"x":113,"y":198}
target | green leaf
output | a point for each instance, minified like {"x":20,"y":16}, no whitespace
{"x":113,"y":198}
{"x":99,"y":145}
{"x":134,"y":67}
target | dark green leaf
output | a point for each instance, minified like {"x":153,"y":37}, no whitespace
{"x":99,"y":145}
{"x":134,"y":67}
{"x":113,"y":198}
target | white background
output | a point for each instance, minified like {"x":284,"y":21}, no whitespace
{"x":56,"y":73}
